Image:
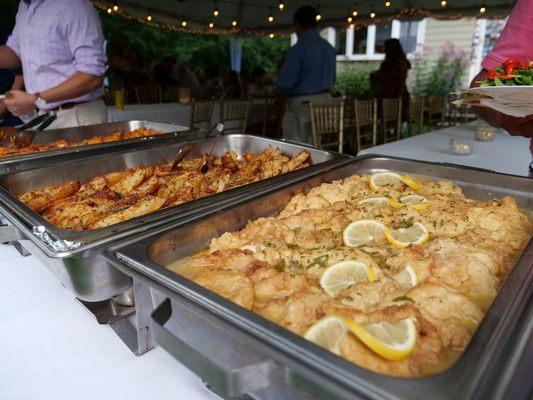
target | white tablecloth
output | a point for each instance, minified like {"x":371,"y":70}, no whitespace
{"x":52,"y":348}
{"x":507,"y":154}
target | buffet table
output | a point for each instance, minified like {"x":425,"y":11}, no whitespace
{"x":507,"y":154}
{"x":52,"y":348}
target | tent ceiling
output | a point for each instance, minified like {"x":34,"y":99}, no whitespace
{"x":252,"y":15}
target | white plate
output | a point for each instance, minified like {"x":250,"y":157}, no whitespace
{"x":506,"y":94}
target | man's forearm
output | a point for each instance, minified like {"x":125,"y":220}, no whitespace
{"x":8,"y":58}
{"x":77,"y":85}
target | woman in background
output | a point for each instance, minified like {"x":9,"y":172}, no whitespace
{"x":389,"y":80}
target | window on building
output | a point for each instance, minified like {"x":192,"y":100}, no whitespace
{"x":359,"y":41}
{"x":408,"y":36}
{"x":383,"y":32}
{"x":340,"y":42}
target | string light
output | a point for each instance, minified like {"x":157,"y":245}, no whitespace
{"x":109,"y":11}
{"x":372,"y":15}
{"x":350,"y":20}
{"x":483,"y":9}
{"x":211,"y":25}
{"x":149,"y":18}
{"x":354,"y":13}
{"x":443,"y":3}
{"x":387,"y":4}
{"x":318,"y":17}
{"x":234,"y":23}
{"x":215,"y":11}
{"x":281,"y":6}
{"x":270,"y":16}
{"x":271,"y":36}
{"x":115,"y":7}
{"x":184,"y":23}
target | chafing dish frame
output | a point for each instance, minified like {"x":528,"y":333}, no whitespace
{"x":289,"y":361}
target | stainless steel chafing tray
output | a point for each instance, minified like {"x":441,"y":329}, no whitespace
{"x":238,"y":352}
{"x":74,"y":255}
{"x":32,"y":160}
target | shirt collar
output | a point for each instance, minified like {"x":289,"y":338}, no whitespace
{"x":310,"y":34}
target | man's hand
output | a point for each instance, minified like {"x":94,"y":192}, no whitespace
{"x":514,"y":125}
{"x":20,"y":103}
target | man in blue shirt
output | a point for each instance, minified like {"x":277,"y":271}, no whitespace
{"x":307,"y":75}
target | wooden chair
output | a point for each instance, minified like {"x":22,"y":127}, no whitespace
{"x":149,"y":94}
{"x":416,"y":115}
{"x":327,"y":125}
{"x":391,"y":119}
{"x":272,"y":117}
{"x":436,"y":112}
{"x":235,"y":112}
{"x":366,"y":123}
{"x":201,"y":113}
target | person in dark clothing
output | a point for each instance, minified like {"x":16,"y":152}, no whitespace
{"x":391,"y":76}
{"x":163,"y":73}
{"x":9,"y":79}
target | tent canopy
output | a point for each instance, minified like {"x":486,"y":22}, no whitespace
{"x":252,"y":16}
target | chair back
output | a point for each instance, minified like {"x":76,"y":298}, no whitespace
{"x":416,"y":115}
{"x":327,"y":121}
{"x":201,"y":113}
{"x":235,"y":111}
{"x":391,"y":120}
{"x":149,"y":94}
{"x":436,"y":111}
{"x":366,"y":123}
{"x":272,"y":117}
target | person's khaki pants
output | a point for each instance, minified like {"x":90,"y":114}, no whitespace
{"x":296,"y":124}
{"x":83,"y":114}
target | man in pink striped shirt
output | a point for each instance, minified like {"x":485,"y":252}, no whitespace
{"x":59,"y":44}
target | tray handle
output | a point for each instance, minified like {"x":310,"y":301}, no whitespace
{"x":226,"y":382}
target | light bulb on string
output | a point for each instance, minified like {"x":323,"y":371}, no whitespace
{"x":271,"y":36}
{"x":372,"y":15}
{"x":215,"y":11}
{"x":270,"y":16}
{"x":234,"y":23}
{"x":483,"y":9}
{"x":443,"y":3}
{"x":281,"y":6}
{"x":350,"y":20}
{"x":115,"y":7}
{"x":387,"y":4}
{"x":318,"y":16}
{"x":109,"y":11}
{"x":354,"y":13}
{"x":184,"y":23}
{"x":149,"y":18}
{"x":211,"y":25}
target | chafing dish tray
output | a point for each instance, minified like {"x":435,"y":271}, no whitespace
{"x":32,"y":160}
{"x":238,"y":352}
{"x":74,"y":256}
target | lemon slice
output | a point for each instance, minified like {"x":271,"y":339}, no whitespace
{"x":390,"y":178}
{"x":407,"y":279}
{"x":415,"y":235}
{"x":362,"y":232}
{"x":345,"y":274}
{"x":381,"y":201}
{"x":327,"y":333}
{"x":415,"y":201}
{"x":394,"y":342}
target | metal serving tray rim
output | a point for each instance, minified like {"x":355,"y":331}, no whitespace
{"x":88,"y":147}
{"x":128,"y":258}
{"x":71,"y":242}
